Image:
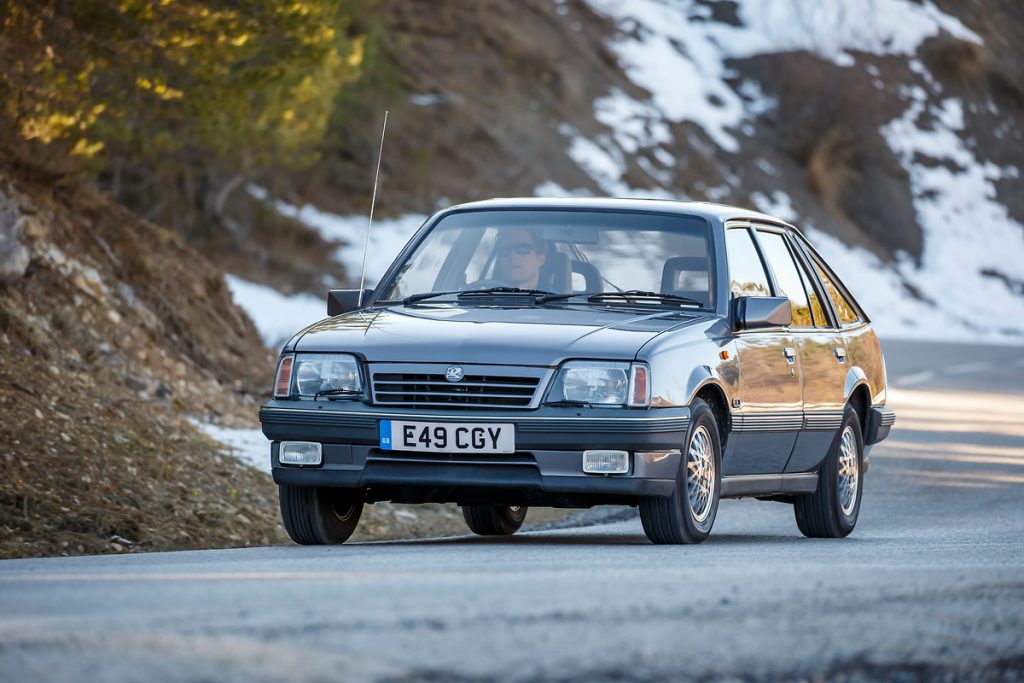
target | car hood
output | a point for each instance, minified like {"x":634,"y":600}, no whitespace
{"x":516,"y":336}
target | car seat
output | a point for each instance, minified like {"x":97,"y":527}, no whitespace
{"x":556,"y":275}
{"x":685,"y":264}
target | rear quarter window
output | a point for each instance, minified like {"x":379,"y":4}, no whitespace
{"x":844,"y":309}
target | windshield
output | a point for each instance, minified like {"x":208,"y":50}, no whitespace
{"x":561,"y":252}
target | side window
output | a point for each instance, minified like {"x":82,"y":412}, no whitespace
{"x":847,"y":313}
{"x":746,"y":274}
{"x":816,"y":310}
{"x":787,"y":277}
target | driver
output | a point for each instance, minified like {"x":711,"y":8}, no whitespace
{"x":520,"y":255}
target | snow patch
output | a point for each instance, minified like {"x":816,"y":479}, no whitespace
{"x":247,"y":445}
{"x":967,"y":232}
{"x":605,"y":166}
{"x":778,"y":204}
{"x":553,"y":189}
{"x":427,"y":99}
{"x":604,"y":162}
{"x":879,"y":288}
{"x":387,"y":237}
{"x":276,"y":316}
{"x":635,"y":124}
{"x":678,"y":54}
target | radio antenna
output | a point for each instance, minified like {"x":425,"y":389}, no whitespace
{"x":373,"y":201}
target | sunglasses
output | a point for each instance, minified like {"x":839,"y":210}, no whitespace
{"x":522,"y":249}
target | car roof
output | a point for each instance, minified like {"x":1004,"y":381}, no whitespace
{"x":707,"y":210}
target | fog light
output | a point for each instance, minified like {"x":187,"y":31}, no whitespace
{"x":605,"y":462}
{"x":299,"y":453}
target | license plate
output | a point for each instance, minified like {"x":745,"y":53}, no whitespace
{"x":447,"y":437}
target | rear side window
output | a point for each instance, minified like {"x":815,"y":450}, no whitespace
{"x":846,"y":312}
{"x":787,"y":277}
{"x":816,"y":310}
{"x":746,"y":274}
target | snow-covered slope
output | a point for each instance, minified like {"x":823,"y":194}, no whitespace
{"x":679,"y":54}
{"x":685,"y":60}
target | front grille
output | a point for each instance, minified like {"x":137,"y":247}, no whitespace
{"x":474,"y":390}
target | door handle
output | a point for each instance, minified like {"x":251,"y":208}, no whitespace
{"x":790,"y":354}
{"x":840,"y":354}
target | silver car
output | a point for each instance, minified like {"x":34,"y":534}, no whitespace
{"x":580,"y":352}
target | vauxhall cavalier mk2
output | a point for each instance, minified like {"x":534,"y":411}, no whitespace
{"x":571,"y":353}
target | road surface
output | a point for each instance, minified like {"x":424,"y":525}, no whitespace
{"x":929,"y":586}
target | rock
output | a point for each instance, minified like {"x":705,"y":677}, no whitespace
{"x":53,"y":256}
{"x":90,"y":282}
{"x":14,"y":256}
{"x":32,"y":229}
{"x":134,"y":383}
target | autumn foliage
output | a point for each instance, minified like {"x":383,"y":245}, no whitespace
{"x":85,"y":82}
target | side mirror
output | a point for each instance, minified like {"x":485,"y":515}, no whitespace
{"x":761,"y":312}
{"x":344,"y":300}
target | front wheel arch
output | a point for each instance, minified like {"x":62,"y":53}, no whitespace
{"x":715,"y":397}
{"x":672,"y":519}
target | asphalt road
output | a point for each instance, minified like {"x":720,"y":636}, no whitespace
{"x":929,"y":586}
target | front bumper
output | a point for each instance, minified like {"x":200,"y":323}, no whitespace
{"x":547,"y":462}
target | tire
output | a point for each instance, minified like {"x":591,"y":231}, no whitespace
{"x":832,"y":510}
{"x":494,"y":520}
{"x":319,"y":516}
{"x":688,"y":514}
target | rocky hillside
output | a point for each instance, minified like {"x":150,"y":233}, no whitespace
{"x":111,"y":332}
{"x":891,"y":130}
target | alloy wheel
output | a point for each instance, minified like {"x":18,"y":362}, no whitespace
{"x":848,"y":474}
{"x":700,"y":479}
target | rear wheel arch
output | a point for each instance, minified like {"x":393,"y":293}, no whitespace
{"x":860,"y":400}
{"x":823,"y":514}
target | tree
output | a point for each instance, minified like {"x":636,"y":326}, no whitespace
{"x":171,"y":84}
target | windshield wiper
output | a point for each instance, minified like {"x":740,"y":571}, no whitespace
{"x":337,"y":393}
{"x":470,"y":293}
{"x":413,"y":298}
{"x":629,"y":294}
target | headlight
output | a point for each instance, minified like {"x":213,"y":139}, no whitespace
{"x":332,"y":373}
{"x":602,"y":383}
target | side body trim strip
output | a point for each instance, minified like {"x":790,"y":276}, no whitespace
{"x":769,"y":484}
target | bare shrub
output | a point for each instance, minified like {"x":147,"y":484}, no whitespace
{"x":950,"y":58}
